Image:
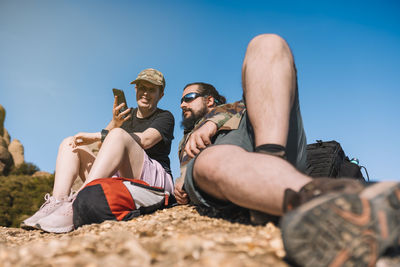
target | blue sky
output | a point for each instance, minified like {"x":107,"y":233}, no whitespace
{"x":59,"y":61}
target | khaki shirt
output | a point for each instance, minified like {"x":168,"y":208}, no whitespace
{"x":227,"y":117}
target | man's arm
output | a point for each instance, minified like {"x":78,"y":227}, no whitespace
{"x":220,"y":115}
{"x":201,"y":138}
{"x":226,"y":117}
{"x":180,"y":194}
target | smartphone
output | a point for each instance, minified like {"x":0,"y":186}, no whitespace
{"x":120,"y":98}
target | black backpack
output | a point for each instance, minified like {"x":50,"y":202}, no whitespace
{"x":327,"y":159}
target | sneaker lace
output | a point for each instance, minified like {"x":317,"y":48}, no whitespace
{"x":47,"y":200}
{"x":72,"y":196}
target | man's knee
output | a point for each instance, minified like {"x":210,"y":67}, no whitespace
{"x":270,"y":43}
{"x":205,"y":166}
{"x":209,"y":166}
{"x":208,"y":172}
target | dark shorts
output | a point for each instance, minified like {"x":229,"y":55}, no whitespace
{"x":242,"y":137}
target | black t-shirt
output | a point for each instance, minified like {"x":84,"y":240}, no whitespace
{"x":161,"y":120}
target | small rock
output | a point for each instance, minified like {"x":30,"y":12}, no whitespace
{"x":16,"y":149}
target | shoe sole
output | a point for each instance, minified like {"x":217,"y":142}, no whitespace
{"x":28,"y":227}
{"x":59,"y":230}
{"x":344,"y":229}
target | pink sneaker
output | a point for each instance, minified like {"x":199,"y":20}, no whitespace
{"x":61,"y":220}
{"x":50,"y":205}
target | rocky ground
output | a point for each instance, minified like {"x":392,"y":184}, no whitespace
{"x":173,"y":237}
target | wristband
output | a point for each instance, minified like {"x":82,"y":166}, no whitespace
{"x":104,"y":133}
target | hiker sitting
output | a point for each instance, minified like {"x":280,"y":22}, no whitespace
{"x":135,"y":144}
{"x":253,"y":155}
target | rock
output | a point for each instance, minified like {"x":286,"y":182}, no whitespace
{"x":6,"y":137}
{"x":41,"y":174}
{"x":6,"y":160}
{"x":2,"y":168}
{"x":2,"y":118}
{"x":3,"y":131}
{"x":11,"y":153}
{"x":17,"y":151}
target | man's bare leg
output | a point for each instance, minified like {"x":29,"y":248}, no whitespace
{"x":118,"y":152}
{"x":252,"y":180}
{"x":269,"y":83}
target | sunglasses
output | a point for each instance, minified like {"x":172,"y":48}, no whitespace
{"x":190,"y":97}
{"x":147,"y":89}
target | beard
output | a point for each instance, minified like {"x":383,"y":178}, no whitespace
{"x":189,"y":122}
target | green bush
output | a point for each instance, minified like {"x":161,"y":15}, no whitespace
{"x":25,"y":168}
{"x":21,"y":196}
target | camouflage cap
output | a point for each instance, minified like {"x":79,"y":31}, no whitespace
{"x":151,"y":75}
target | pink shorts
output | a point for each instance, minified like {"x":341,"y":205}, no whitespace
{"x":155,"y":175}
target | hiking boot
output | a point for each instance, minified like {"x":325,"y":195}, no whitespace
{"x":49,"y":206}
{"x":342,"y":228}
{"x":311,"y":190}
{"x":318,"y":187}
{"x":60,"y":221}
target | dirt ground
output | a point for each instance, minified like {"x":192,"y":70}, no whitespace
{"x":173,"y":237}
